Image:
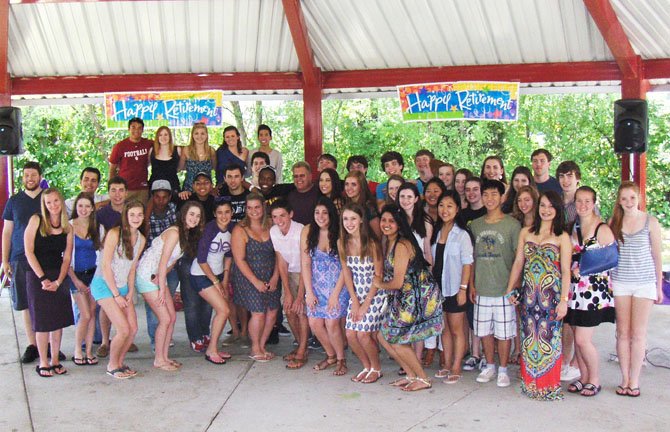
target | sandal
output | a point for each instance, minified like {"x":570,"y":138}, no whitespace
{"x":167,"y":367}
{"x":622,"y":391}
{"x":79,"y":361}
{"x":128,"y":370}
{"x":341,"y":368}
{"x":633,"y":392}
{"x":362,"y":374}
{"x":368,"y":380}
{"x":402,"y":372}
{"x":91,"y":361}
{"x":324,"y":364}
{"x":119,"y":374}
{"x":290,"y":356}
{"x":428,"y":357}
{"x":214,"y":359}
{"x":58,"y":369}
{"x":260,"y":358}
{"x":296,"y":363}
{"x":591,"y":390}
{"x":401,"y":382}
{"x":44,"y":372}
{"x":424,"y":384}
{"x":452,"y":379}
{"x":576,"y":387}
{"x":442,"y":373}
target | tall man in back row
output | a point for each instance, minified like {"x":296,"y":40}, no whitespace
{"x":130,"y":160}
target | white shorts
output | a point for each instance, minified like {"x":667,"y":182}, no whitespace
{"x":496,"y":316}
{"x":645,"y":290}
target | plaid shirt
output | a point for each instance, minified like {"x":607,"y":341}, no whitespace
{"x":158,"y":224}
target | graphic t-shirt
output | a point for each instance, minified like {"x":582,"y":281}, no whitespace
{"x":133,"y":161}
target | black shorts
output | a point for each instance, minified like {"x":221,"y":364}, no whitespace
{"x":450,"y":305}
{"x":17,"y":287}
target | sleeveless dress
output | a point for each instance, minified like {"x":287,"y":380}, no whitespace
{"x":591,"y":300}
{"x":362,"y":272}
{"x":192,"y":168}
{"x":414,"y":311}
{"x":148,"y":264}
{"x":225,"y":158}
{"x":326,"y":269}
{"x":541,"y":341}
{"x":49,"y":310}
{"x":165,"y":170}
{"x":260,"y":256}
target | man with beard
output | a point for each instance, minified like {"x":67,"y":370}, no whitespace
{"x":19,"y":209}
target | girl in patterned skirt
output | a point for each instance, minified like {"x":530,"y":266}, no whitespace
{"x":361,"y":260}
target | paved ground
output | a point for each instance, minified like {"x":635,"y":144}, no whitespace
{"x":247,"y":396}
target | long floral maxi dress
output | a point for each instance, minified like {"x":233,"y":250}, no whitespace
{"x":541,"y":352}
{"x":414,"y":311}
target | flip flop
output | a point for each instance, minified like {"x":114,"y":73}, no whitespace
{"x":368,"y":380}
{"x":362,"y":374}
{"x":452,"y":379}
{"x":91,"y":361}
{"x":212,"y":359}
{"x":119,"y":374}
{"x":576,"y":387}
{"x":296,"y":363}
{"x":224,"y":355}
{"x":79,"y":361}
{"x":401,"y":382}
{"x":633,"y":392}
{"x":59,"y":369}
{"x":590,"y":388}
{"x":442,"y":373}
{"x":168,"y":367}
{"x":42,"y":371}
{"x":622,"y":391}
{"x":260,"y":358}
{"x":128,"y":370}
{"x":426,"y":385}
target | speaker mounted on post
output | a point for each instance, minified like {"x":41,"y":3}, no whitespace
{"x":11,"y":131}
{"x":631,"y":126}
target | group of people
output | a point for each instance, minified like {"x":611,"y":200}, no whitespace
{"x":444,"y":264}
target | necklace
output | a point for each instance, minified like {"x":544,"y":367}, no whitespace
{"x":56,"y":227}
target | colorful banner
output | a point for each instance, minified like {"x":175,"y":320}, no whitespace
{"x":462,"y":100}
{"x":174,"y":109}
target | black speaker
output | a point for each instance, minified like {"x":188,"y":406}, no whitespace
{"x":11,"y":132}
{"x":631,"y":126}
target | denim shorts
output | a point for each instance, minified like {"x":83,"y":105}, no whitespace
{"x":100,"y":290}
{"x":85,"y":276}
{"x":144,"y":286}
{"x":199,"y":283}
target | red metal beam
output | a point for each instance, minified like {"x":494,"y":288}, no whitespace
{"x":296,"y":22}
{"x":612,"y":31}
{"x":312,"y":115}
{"x":525,"y":73}
{"x":656,"y":69}
{"x":157,"y":82}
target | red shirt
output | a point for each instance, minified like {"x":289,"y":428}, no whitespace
{"x":372,"y":185}
{"x":133,"y":161}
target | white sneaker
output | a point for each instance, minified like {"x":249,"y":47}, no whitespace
{"x":570,"y":373}
{"x":503,"y":379}
{"x":486,"y":375}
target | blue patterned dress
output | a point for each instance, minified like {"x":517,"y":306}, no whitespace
{"x":415,"y":310}
{"x":260,"y":256}
{"x":362,"y":271}
{"x":192,"y":168}
{"x":326,"y":269}
{"x":541,"y":350}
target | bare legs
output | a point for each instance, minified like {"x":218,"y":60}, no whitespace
{"x":166,"y":319}
{"x":28,"y":326}
{"x":125,"y":323}
{"x":215,"y":299}
{"x":42,"y":340}
{"x":260,"y":327}
{"x":632,"y":318}
{"x":300,"y":329}
{"x":453,"y":341}
{"x":503,"y":350}
{"x":587,"y":355}
{"x":329,"y":333}
{"x":365,"y":348}
{"x":85,"y":326}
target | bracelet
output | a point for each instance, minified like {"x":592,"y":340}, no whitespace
{"x":117,"y":295}
{"x":57,"y":283}
{"x":565,"y":298}
{"x":462,"y":288}
{"x":43,"y":278}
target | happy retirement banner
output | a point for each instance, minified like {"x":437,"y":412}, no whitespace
{"x":462,"y":100}
{"x":174,"y":109}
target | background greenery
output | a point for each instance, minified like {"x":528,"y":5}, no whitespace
{"x":573,"y":127}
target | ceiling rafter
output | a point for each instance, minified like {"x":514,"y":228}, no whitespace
{"x":303,"y":48}
{"x":615,"y":37}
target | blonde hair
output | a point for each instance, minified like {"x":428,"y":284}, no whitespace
{"x":46,"y":227}
{"x":617,"y":215}
{"x":192,"y":153}
{"x":157,"y":145}
{"x":266,"y":222}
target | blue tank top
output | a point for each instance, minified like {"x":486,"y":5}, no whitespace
{"x":84,"y":254}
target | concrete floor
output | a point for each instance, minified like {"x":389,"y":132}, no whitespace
{"x":247,"y":396}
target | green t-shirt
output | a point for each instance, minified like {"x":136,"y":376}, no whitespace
{"x":495,"y":247}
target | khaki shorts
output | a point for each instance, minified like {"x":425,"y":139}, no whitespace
{"x":293,"y":282}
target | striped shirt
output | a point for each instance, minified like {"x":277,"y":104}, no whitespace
{"x":636,"y":265}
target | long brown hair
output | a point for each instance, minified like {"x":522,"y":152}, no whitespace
{"x":369,"y":242}
{"x":46,"y":227}
{"x":125,"y":245}
{"x":364,"y":196}
{"x":189,"y":238}
{"x":516,"y":212}
{"x":93,"y":231}
{"x":157,"y":145}
{"x":617,"y":215}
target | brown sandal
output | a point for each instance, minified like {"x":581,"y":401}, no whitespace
{"x":428,"y":357}
{"x":324,"y":364}
{"x":296,"y":363}
{"x":341,"y":368}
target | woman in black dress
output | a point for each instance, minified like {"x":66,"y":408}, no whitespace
{"x":48,"y":244}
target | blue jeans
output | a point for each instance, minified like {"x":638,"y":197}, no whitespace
{"x":152,"y":320}
{"x":197,"y":312}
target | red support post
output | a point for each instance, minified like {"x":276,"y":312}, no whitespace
{"x":312,"y":115}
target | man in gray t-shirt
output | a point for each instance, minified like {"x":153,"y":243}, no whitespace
{"x":496,"y":237}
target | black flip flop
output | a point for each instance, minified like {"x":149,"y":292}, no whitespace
{"x":592,"y":388}
{"x":79,"y":361}
{"x":633,"y":392}
{"x":40,"y":371}
{"x":576,"y":387}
